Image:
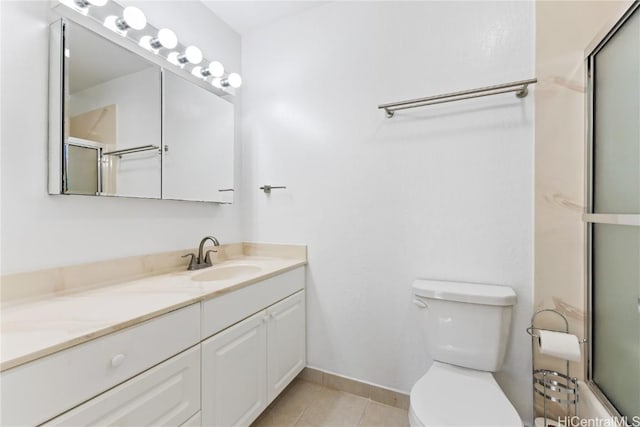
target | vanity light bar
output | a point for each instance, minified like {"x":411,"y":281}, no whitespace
{"x":130,"y":22}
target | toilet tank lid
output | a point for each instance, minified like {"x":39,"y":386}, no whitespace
{"x":473,"y":293}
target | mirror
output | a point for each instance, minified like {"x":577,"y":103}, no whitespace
{"x":113,"y":117}
{"x":122,"y":125}
{"x":198,"y":137}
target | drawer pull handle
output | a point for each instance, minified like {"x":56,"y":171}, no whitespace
{"x":117,"y":360}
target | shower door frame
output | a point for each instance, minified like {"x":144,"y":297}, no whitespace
{"x":590,"y":218}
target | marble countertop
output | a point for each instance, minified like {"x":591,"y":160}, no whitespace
{"x":41,"y":327}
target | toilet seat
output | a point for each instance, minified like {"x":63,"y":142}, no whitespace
{"x":449,"y":395}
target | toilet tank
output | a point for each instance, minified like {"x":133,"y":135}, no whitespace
{"x":466,"y":324}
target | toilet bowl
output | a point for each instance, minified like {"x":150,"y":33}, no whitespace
{"x":449,"y":395}
{"x":466,"y":328}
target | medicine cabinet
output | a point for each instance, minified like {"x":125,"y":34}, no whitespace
{"x":122,"y":125}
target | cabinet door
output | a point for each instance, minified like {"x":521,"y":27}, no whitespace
{"x":286,"y":331}
{"x":234,"y":387}
{"x":168,"y":394}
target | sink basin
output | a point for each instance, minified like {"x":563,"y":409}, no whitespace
{"x":225,"y":273}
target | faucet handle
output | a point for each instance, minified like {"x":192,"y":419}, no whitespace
{"x":207,"y":257}
{"x":191,"y":261}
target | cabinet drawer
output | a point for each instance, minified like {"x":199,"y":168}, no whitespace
{"x":168,"y":394}
{"x":223,"y":311}
{"x":44,"y":388}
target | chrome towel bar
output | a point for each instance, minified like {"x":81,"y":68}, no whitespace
{"x":131,"y":150}
{"x":519,"y":87}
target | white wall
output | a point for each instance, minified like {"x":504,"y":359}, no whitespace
{"x":40,"y":231}
{"x":440,"y":192}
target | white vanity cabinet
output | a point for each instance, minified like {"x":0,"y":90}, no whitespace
{"x":245,"y":366}
{"x":41,"y":390}
{"x":218,"y":362}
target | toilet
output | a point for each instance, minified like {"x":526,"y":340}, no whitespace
{"x":466,"y":327}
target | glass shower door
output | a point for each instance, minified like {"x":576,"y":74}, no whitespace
{"x":616,"y":320}
{"x":614,"y":215}
{"x":81,"y":169}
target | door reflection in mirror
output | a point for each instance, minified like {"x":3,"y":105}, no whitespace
{"x":199,"y":137}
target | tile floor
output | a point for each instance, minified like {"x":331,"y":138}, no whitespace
{"x":304,"y":403}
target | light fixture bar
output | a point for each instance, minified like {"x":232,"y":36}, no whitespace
{"x":161,"y":45}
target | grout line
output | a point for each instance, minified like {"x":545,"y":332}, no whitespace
{"x":300,"y":416}
{"x":304,"y":411}
{"x":306,"y":406}
{"x":363,"y":412}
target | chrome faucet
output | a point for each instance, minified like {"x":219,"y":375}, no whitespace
{"x":196,"y":263}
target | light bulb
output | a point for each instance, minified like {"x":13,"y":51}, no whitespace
{"x":216,"y":69}
{"x":80,"y":6}
{"x":193,"y":55}
{"x":132,"y":17}
{"x":217,"y":82}
{"x":166,"y":38}
{"x":234,"y":80}
{"x":197,"y":71}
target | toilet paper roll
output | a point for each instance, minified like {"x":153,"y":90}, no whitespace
{"x":560,"y":345}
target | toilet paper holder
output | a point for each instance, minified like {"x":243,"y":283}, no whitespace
{"x":553,"y":386}
{"x":531,"y":331}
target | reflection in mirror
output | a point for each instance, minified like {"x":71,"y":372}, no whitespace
{"x":199,"y":143}
{"x":113,"y":119}
{"x":82,"y":163}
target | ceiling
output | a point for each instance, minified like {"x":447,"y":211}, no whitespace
{"x":243,"y":16}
